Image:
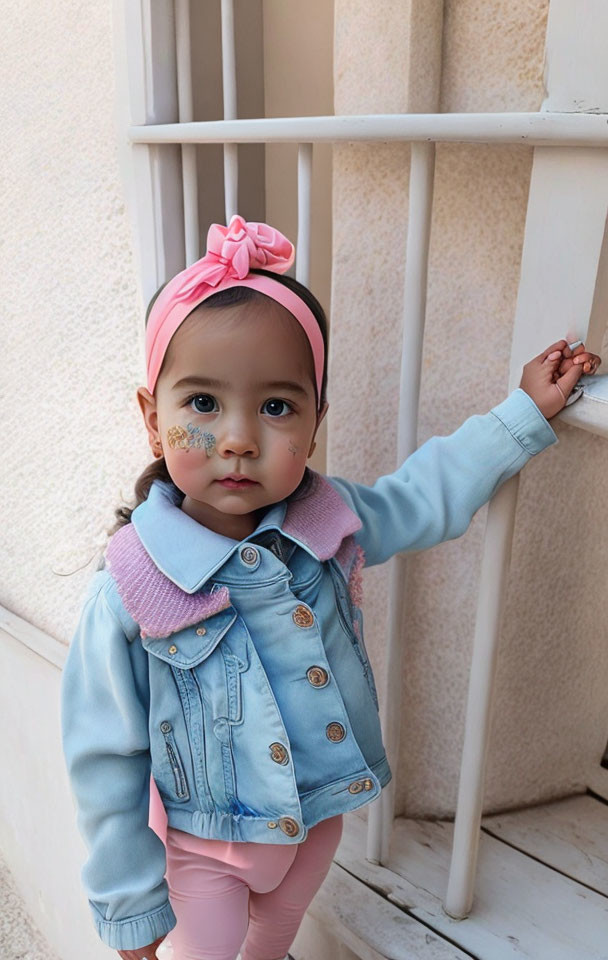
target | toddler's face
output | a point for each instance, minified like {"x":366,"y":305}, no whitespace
{"x":235,"y":396}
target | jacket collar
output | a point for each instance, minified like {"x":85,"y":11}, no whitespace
{"x":188,"y":553}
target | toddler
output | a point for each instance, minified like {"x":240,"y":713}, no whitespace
{"x":219,"y":710}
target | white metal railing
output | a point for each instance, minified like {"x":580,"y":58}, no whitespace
{"x":422,"y":131}
{"x":231,"y":162}
{"x":304,"y":212}
{"x":533,"y":129}
{"x":184,"y":100}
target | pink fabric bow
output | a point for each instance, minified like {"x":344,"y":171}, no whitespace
{"x":232,"y":252}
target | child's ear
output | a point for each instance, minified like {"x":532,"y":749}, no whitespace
{"x":321,"y":415}
{"x":320,"y":418}
{"x":147,"y":405}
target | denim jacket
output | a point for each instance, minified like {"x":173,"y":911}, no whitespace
{"x":236,"y":674}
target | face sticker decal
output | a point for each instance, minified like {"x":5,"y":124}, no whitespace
{"x":292,"y":448}
{"x":191,"y":436}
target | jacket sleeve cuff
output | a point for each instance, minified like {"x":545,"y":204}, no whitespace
{"x":134,"y":932}
{"x":525,"y":422}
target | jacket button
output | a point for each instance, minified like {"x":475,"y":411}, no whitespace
{"x":201,"y":631}
{"x":278,"y":753}
{"x":172,"y":649}
{"x":335,"y":731}
{"x":272,"y":824}
{"x":302,"y":617}
{"x":250,"y":556}
{"x":317,"y":676}
{"x":368,"y":784}
{"x":165,"y":727}
{"x":289,"y":826}
{"x":355,"y":787}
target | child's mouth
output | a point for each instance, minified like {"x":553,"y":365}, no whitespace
{"x":233,"y":484}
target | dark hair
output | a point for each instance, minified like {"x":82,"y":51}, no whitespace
{"x":157,"y":470}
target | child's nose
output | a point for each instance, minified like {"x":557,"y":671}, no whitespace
{"x":238,"y":439}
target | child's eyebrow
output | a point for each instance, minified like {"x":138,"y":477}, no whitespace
{"x":289,"y":385}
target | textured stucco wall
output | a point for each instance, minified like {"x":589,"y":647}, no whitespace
{"x":71,"y":324}
{"x":70,"y":314}
{"x":551,"y":702}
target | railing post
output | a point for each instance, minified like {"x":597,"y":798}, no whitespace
{"x":422,"y":172}
{"x":184,"y":99}
{"x":231,"y":160}
{"x":304,"y":212}
{"x":490,"y":603}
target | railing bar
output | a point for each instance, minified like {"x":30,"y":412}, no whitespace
{"x":228,"y":61}
{"x":304,"y":213}
{"x":422,"y":174}
{"x":422,"y":170}
{"x":231,"y":161}
{"x":185,"y":110}
{"x":184,"y":60}
{"x":231,"y":179}
{"x":492,"y":589}
{"x":191,"y":224}
{"x":576,"y":129}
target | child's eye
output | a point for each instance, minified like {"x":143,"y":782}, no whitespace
{"x":276,"y":408}
{"x":203,"y":403}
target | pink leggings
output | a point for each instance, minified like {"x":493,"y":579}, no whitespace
{"x":265,"y":899}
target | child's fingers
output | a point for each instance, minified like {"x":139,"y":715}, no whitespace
{"x":564,"y":366}
{"x":142,"y":953}
{"x":560,"y":345}
{"x":551,"y":365}
{"x":569,"y":380}
{"x":579,"y":355}
{"x":589,"y":361}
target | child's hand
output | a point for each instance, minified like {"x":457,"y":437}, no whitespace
{"x":589,"y":361}
{"x":551,"y":376}
{"x":142,"y":953}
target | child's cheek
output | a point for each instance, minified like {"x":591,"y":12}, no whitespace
{"x":290,"y":465}
{"x":191,"y":437}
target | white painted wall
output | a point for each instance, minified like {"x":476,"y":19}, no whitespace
{"x":71,"y":328}
{"x":71,"y":316}
{"x":37,"y":820}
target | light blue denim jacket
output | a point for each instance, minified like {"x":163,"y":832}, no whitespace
{"x":251,"y":701}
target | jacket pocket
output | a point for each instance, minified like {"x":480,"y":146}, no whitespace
{"x":205,"y":662}
{"x":188,"y":647}
{"x":180,"y":784}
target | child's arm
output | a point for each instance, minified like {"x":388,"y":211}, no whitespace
{"x":106,"y":745}
{"x":435,"y":493}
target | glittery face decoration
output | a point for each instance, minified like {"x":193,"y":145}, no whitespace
{"x":182,"y":438}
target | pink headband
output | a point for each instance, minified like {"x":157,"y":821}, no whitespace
{"x":232,"y":252}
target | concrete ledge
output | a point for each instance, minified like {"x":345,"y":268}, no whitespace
{"x":38,"y":833}
{"x":35,"y":639}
